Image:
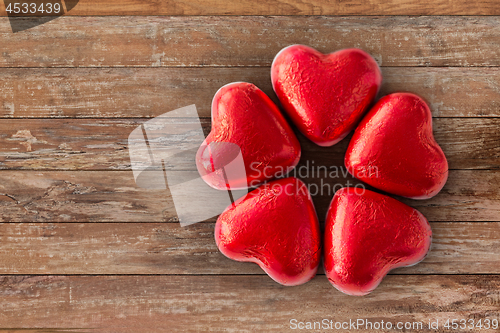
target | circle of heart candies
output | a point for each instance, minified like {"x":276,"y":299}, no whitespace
{"x":325,"y":96}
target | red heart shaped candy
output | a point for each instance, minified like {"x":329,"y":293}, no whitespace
{"x":325,"y":95}
{"x":244,"y":115}
{"x":275,"y":226}
{"x":393,"y":149}
{"x":366,"y":235}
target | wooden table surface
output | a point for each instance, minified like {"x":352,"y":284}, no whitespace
{"x":83,"y":249}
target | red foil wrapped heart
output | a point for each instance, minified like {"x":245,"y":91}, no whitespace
{"x":275,"y":226}
{"x":325,"y":95}
{"x":393,"y":149}
{"x":366,"y":235}
{"x":245,"y":116}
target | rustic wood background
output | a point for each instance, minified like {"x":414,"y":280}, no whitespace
{"x":82,"y":249}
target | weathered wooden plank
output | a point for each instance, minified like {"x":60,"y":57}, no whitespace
{"x":248,"y":41}
{"x":102,"y":144}
{"x":281,"y":7}
{"x":93,"y":196}
{"x":85,"y":144}
{"x":149,"y":92}
{"x":80,"y":196}
{"x":466,"y":193}
{"x":239,"y":303}
{"x":166,"y":248}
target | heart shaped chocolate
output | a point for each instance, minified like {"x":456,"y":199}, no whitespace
{"x":393,"y":149}
{"x":366,"y":235}
{"x":275,"y":226}
{"x":325,"y":95}
{"x":245,"y":116}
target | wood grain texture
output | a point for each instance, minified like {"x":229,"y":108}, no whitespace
{"x":64,"y":162}
{"x":80,"y":197}
{"x":102,"y":144}
{"x":218,"y":41}
{"x":235,"y":303}
{"x":149,"y":92}
{"x":282,"y":7}
{"x":167,"y":248}
{"x":93,"y":196}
